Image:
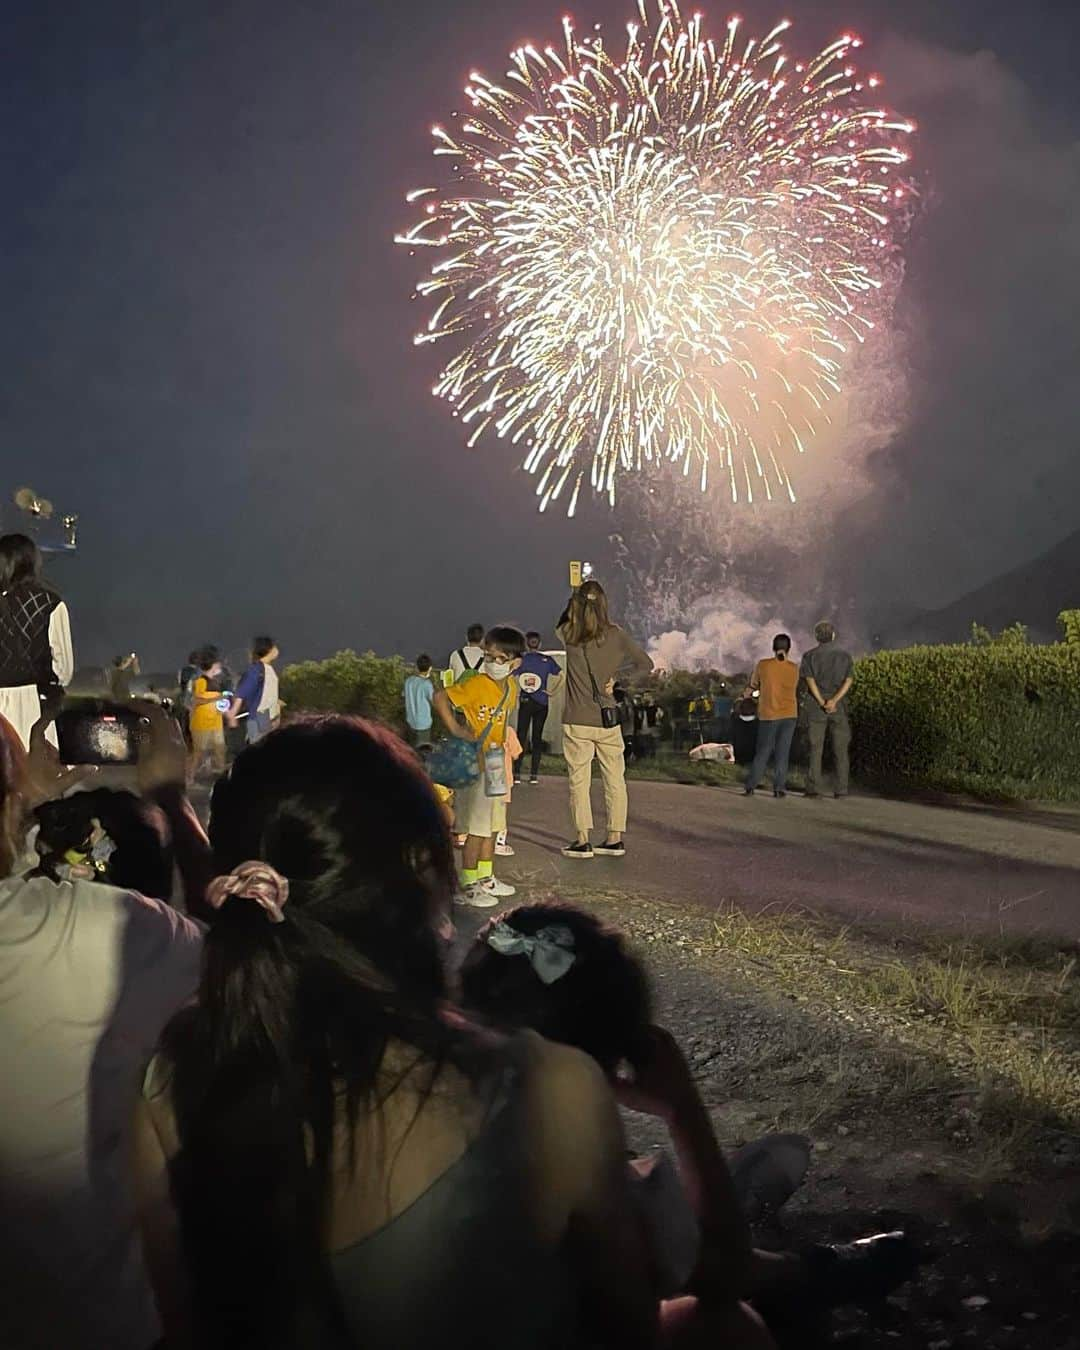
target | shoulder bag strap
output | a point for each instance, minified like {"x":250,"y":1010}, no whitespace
{"x":491,"y":720}
{"x":592,"y":678}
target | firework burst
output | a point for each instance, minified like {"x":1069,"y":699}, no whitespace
{"x":668,"y":253}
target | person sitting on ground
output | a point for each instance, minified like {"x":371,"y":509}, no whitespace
{"x":114,"y":838}
{"x":90,"y":974}
{"x":467,"y":660}
{"x":325,"y":1157}
{"x":486,"y":704}
{"x":563,"y":973}
{"x":419,"y":692}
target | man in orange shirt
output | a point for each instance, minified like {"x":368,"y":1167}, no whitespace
{"x":776,"y":681}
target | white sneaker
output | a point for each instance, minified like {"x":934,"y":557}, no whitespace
{"x":498,"y":888}
{"x":502,"y":848}
{"x":475,"y":897}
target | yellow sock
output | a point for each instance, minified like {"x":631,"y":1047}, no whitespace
{"x":470,"y":876}
{"x":485,"y":869}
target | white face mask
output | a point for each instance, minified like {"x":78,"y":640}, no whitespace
{"x":497,"y":670}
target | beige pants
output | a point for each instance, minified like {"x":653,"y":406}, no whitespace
{"x":580,"y":744}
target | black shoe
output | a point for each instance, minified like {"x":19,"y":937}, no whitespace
{"x":534,"y":779}
{"x":811,"y":794}
{"x":779,"y":792}
{"x":748,"y":792}
{"x":517,"y":782}
{"x":578,"y":851}
{"x":610,"y":850}
{"x":860,"y":1272}
{"x":839,"y":796}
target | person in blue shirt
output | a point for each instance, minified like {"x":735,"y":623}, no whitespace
{"x":419,"y":691}
{"x":537,"y":676}
{"x":256,"y":694}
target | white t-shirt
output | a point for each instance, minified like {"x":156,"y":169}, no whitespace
{"x":269,"y":701}
{"x":89,"y":975}
{"x":473,"y":655}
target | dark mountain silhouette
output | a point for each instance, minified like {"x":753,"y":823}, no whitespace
{"x":1034,"y":594}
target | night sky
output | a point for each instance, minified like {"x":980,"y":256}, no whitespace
{"x":207,"y":333}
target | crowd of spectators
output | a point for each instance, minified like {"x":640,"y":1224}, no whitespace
{"x":270,"y":1105}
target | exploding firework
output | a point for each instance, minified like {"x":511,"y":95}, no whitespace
{"x":665,"y":254}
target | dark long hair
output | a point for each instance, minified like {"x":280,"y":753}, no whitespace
{"x":20,"y":560}
{"x":293,"y":1019}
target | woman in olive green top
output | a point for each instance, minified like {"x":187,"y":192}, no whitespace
{"x":596,"y":651}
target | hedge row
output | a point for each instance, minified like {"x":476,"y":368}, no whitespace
{"x":1001,"y":718}
{"x":963,"y":717}
{"x":370,"y":685}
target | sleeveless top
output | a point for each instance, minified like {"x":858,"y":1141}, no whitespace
{"x":460,"y":1268}
{"x":25,"y":652}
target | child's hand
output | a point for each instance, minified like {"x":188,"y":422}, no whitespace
{"x":660,"y":1082}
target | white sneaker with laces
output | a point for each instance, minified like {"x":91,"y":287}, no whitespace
{"x":475,"y":897}
{"x":500,"y":889}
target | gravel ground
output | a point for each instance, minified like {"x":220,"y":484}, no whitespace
{"x":896,"y":1145}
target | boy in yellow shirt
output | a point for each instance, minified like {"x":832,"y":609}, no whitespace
{"x":486,"y":702}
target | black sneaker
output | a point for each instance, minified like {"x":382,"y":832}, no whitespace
{"x":748,"y":792}
{"x":517,"y":782}
{"x":610,"y":850}
{"x":779,"y":792}
{"x":578,"y":851}
{"x":861,"y":1272}
{"x":534,"y":779}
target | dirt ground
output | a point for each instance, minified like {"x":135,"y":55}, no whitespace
{"x":898,"y":1143}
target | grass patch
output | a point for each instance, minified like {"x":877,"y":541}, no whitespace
{"x":1008,"y":1015}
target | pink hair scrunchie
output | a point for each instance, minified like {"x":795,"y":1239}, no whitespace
{"x":252,"y":881}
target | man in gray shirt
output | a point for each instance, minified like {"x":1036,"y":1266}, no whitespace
{"x":827,"y":669}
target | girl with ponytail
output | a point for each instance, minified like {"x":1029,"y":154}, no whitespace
{"x":326,"y":1156}
{"x":776,"y":684}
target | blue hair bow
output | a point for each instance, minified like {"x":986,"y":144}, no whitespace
{"x":550,"y":951}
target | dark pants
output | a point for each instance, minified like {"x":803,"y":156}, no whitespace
{"x":839,"y":731}
{"x":530,"y":729}
{"x":773,"y":738}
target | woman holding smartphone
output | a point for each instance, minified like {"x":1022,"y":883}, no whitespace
{"x":596,"y":651}
{"x":36,"y":659}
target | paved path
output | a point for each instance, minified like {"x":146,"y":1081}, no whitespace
{"x":865,"y":857}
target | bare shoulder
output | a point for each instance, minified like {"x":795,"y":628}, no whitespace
{"x":568,"y":1086}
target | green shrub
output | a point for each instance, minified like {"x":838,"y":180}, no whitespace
{"x":1069,"y":623}
{"x":1002,"y":716}
{"x":348,"y":683}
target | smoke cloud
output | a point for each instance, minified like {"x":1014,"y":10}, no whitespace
{"x":729,"y":631}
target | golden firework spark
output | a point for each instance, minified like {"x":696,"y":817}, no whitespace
{"x":665,"y":254}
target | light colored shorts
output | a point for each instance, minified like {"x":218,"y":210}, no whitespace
{"x":477,"y":813}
